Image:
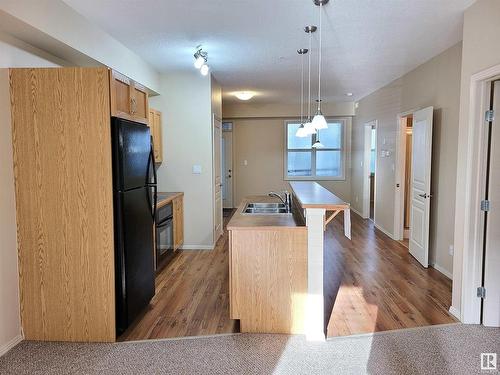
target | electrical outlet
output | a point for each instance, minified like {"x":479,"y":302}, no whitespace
{"x":451,"y":250}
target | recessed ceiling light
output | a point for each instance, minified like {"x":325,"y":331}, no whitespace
{"x":349,"y":94}
{"x":244,"y":95}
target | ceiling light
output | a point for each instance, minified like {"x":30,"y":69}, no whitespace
{"x":244,"y":95}
{"x":319,"y":121}
{"x":309,"y":129}
{"x":301,"y":131}
{"x":198,"y":62}
{"x":204,"y":69}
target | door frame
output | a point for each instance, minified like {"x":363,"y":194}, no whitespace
{"x":469,"y":220}
{"x":366,"y":169}
{"x":215,"y":213}
{"x":399,"y":196}
{"x":232,"y":157}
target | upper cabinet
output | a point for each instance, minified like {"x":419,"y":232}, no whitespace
{"x":129,"y":99}
{"x":155,"y":126}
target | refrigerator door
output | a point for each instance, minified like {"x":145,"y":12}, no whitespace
{"x":132,"y":147}
{"x":134,"y":261}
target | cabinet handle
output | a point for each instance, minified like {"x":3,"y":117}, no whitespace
{"x":133,"y":106}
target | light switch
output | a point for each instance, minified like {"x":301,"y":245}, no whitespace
{"x":196,"y":169}
{"x":245,"y":162}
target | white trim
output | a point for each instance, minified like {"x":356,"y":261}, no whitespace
{"x":445,"y":272}
{"x":366,"y":169}
{"x":469,"y":236}
{"x":455,"y":312}
{"x":9,"y":345}
{"x":198,"y":247}
{"x":383,"y":230}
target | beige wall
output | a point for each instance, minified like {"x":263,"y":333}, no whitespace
{"x":13,"y":53}
{"x":185,"y":102}
{"x":480,"y":51}
{"x":260,"y":141}
{"x":270,"y":110}
{"x":435,"y":83}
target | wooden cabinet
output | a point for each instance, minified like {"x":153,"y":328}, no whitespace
{"x":128,"y":99}
{"x":178,"y":206}
{"x":64,"y":202}
{"x":155,"y":124}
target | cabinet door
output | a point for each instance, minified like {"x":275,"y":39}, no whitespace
{"x":120,"y":91}
{"x":139,"y":103}
{"x":178,"y":222}
{"x":157,"y":137}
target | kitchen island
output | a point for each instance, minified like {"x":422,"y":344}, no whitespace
{"x":276,"y":263}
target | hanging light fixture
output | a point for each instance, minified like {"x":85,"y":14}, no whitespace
{"x":301,"y":131}
{"x":308,"y":126}
{"x":200,"y":60}
{"x":319,"y":121}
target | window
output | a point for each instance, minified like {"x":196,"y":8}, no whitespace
{"x":303,"y":162}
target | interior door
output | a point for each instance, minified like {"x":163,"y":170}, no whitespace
{"x":491,"y":302}
{"x":217,"y":178}
{"x":421,"y":185}
{"x":227,"y":138}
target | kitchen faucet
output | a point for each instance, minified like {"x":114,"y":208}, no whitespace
{"x":287,"y":201}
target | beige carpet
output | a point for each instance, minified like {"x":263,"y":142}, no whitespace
{"x":448,"y":349}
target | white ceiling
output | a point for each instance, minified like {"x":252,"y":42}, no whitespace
{"x":252,"y":43}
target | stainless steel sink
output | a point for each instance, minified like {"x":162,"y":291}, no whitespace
{"x":265,"y":205}
{"x":266,"y":209}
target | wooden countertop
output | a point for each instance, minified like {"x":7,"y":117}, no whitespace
{"x":312,"y":195}
{"x":164,"y":198}
{"x":253,"y":221}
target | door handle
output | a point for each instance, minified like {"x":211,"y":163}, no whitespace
{"x":425,"y":195}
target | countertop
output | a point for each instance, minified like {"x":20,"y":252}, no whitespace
{"x":312,"y":195}
{"x":252,"y":221}
{"x":164,"y":198}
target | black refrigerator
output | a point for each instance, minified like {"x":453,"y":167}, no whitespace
{"x":134,"y":194}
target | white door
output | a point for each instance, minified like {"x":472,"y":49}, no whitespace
{"x":491,"y":302}
{"x":227,"y":169}
{"x":217,"y":178}
{"x":421,"y":185}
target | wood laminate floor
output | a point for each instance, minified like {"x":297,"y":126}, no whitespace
{"x":380,"y":287}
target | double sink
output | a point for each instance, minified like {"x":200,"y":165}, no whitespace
{"x":266,"y":209}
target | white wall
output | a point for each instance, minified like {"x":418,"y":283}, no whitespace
{"x":185,"y":103}
{"x":13,"y":53}
{"x":480,"y":51}
{"x":434,"y":83}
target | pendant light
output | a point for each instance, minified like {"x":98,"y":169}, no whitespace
{"x":308,"y":126}
{"x":301,"y":131}
{"x":319,"y":121}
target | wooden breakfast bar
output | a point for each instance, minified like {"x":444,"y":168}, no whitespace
{"x":276,"y":263}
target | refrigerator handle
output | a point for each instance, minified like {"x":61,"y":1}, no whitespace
{"x":155,"y":180}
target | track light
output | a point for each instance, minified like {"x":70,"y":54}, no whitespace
{"x":204,"y":69}
{"x":200,"y":61}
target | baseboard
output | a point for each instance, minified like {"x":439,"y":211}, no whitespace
{"x":6,"y":347}
{"x":358,"y":213}
{"x":437,"y":267}
{"x":197,"y":247}
{"x":455,"y":312}
{"x":383,"y":230}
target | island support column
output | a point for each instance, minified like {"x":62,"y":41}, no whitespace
{"x":315,"y":219}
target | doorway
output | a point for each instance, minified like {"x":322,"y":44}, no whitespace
{"x":369,"y":170}
{"x":227,"y":166}
{"x":406,"y":124}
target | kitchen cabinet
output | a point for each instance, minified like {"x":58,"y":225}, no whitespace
{"x":155,"y":124}
{"x":64,"y":202}
{"x":178,"y":222}
{"x":128,"y":99}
